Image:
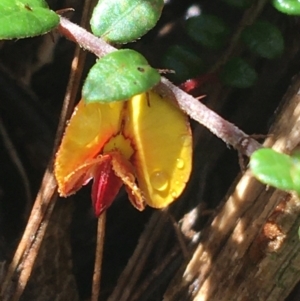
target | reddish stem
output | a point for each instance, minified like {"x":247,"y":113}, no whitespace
{"x":223,"y":129}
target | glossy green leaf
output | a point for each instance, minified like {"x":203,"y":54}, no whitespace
{"x":208,"y":30}
{"x":264,"y":39}
{"x":238,"y":73}
{"x":122,"y":21}
{"x":118,"y":76}
{"x":25,"y":18}
{"x":295,"y":171}
{"x":276,"y":169}
{"x":289,"y":7}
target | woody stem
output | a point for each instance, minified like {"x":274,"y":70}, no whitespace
{"x":220,"y":127}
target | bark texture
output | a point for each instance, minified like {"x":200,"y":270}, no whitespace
{"x":251,"y":250}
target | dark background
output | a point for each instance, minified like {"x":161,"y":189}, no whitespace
{"x":31,"y":95}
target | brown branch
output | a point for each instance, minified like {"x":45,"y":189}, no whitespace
{"x":20,"y":268}
{"x":98,"y":257}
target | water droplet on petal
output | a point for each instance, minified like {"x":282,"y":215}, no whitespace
{"x":180,"y":163}
{"x":159,"y":180}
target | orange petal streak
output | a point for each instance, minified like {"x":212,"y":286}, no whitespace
{"x":82,"y":175}
{"x":90,"y":126}
{"x":125,"y":171}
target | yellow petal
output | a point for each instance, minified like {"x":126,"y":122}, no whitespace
{"x":121,"y":144}
{"x":161,"y":136}
{"x":90,"y":126}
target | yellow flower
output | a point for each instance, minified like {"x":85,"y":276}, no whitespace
{"x":144,"y":143}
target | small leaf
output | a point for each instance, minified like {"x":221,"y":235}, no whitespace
{"x":25,"y":18}
{"x":273,"y":168}
{"x":264,"y":39}
{"x":295,"y":172}
{"x":208,"y":30}
{"x":124,"y":21}
{"x":289,"y":7}
{"x":238,"y":73}
{"x":118,"y":76}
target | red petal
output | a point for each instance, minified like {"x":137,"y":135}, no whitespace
{"x":193,"y":86}
{"x":105,"y":187}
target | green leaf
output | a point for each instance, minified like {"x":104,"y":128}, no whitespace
{"x":275,"y":169}
{"x":208,"y":30}
{"x":118,"y":76}
{"x":295,"y":172}
{"x":289,"y":7}
{"x":264,"y":39}
{"x":25,"y":18}
{"x":124,"y":21}
{"x":238,"y":73}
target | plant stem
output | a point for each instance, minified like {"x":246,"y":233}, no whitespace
{"x":98,"y":257}
{"x":83,"y":38}
{"x":220,"y":127}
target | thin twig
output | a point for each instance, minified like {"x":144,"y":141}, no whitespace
{"x":167,"y":265}
{"x":98,"y":257}
{"x":130,"y":275}
{"x":21,"y":266}
{"x":84,"y":38}
{"x":223,"y":129}
{"x":11,"y":151}
{"x":220,"y":127}
{"x":179,"y":235}
{"x":248,"y":18}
